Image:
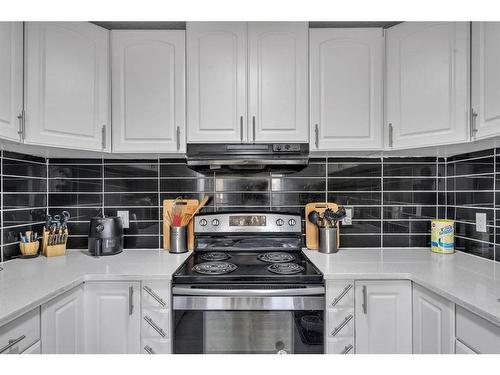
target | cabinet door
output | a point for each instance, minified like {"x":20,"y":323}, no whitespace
{"x":62,"y":323}
{"x":278,"y":71}
{"x":433,"y":323}
{"x":346,"y":69}
{"x":112,"y":317}
{"x":36,"y":348}
{"x":11,"y":79}
{"x":148,"y":91}
{"x":67,"y":85}
{"x":486,"y":79}
{"x":461,"y":348}
{"x":216,"y":81}
{"x":427,"y":83}
{"x":383,"y":317}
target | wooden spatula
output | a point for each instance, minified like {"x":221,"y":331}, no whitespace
{"x":203,"y":202}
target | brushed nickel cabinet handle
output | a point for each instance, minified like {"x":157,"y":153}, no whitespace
{"x":391,"y":135}
{"x":103,"y":137}
{"x":12,"y":342}
{"x":473,"y":125}
{"x":130,"y":302}
{"x":341,"y":295}
{"x":365,"y":300}
{"x":316,"y":135}
{"x":154,"y":295}
{"x":149,"y":350}
{"x":178,"y":136}
{"x":241,"y":129}
{"x":21,"y":126}
{"x":347,"y":349}
{"x":342,"y":325}
{"x":253,"y":127}
{"x":155,"y":326}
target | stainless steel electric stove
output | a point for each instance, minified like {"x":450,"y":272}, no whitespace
{"x":248,"y":288}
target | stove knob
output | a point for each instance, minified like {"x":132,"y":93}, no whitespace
{"x":215,"y":222}
{"x":203,"y":222}
{"x":279,"y":222}
{"x":292,"y":222}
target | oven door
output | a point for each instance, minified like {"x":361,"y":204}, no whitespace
{"x":248,"y":321}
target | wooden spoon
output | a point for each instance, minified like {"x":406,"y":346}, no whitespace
{"x":203,"y":202}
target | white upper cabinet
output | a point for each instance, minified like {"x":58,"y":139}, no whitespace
{"x":427,"y":84}
{"x":216,"y":81}
{"x":11,"y":79}
{"x":383,"y":312}
{"x":148,"y":85}
{"x":278,"y":81}
{"x":67,"y":85}
{"x":485,"y":80}
{"x":346,"y":70}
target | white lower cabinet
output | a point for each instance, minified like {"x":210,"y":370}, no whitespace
{"x":383,"y":317}
{"x":21,"y":333}
{"x":112,"y":317}
{"x":62,"y":323}
{"x":156,"y":317}
{"x":339,"y":317}
{"x":36,"y":348}
{"x":477,"y":334}
{"x":433,"y":323}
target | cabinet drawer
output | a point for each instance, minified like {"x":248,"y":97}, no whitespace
{"x":36,"y":348}
{"x":156,"y":294}
{"x":339,"y":294}
{"x":155,"y":324}
{"x":156,"y":346}
{"x":340,"y":345}
{"x":21,"y":333}
{"x":477,"y":333}
{"x":461,"y":348}
{"x":340,"y":322}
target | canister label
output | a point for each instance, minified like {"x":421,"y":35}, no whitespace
{"x":443,"y":236}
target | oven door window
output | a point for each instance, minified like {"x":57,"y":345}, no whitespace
{"x":248,"y":332}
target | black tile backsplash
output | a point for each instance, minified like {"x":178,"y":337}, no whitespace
{"x":393,"y":199}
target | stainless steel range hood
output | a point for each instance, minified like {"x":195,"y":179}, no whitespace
{"x":281,"y":157}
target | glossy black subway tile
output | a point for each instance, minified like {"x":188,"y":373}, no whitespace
{"x":27,"y":200}
{"x":354,"y":170}
{"x":187,"y":185}
{"x":354,"y":184}
{"x":70,"y":185}
{"x":299,"y":184}
{"x":482,"y":249}
{"x":357,"y":240}
{"x":75,"y":199}
{"x":406,"y":241}
{"x":142,"y":170}
{"x":75,"y":171}
{"x":24,"y":185}
{"x":231,"y":184}
{"x":410,"y":169}
{"x":410,"y":184}
{"x":147,"y":213}
{"x":12,"y":167}
{"x":125,"y":185}
{"x":355,"y":198}
{"x":127,"y":199}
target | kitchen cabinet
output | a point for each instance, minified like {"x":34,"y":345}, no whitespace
{"x":148,"y":85}
{"x":339,"y":317}
{"x":427,"y":89}
{"x":21,"y":333}
{"x":278,"y":81}
{"x":62,"y":323}
{"x":112,"y":317}
{"x":433,"y":323}
{"x":476,"y":333}
{"x":156,"y":317}
{"x":216,"y":58}
{"x":67,"y":85}
{"x":36,"y":348}
{"x":247,"y":82}
{"x":485,"y":79}
{"x":383,"y":317}
{"x":11,"y":80}
{"x":461,"y":348}
{"x":346,"y":99}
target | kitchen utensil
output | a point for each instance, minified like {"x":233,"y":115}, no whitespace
{"x":178,"y":239}
{"x":312,"y":229}
{"x":202,"y":204}
{"x":177,"y":209}
{"x":105,"y":235}
{"x":190,"y":206}
{"x":313,"y":217}
{"x":328,"y":240}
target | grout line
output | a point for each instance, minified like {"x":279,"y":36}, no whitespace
{"x":494,"y":205}
{"x":382,"y":202}
{"x":160,"y":218}
{"x":1,"y":206}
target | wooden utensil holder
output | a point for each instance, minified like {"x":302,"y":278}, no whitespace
{"x":53,"y":250}
{"x":29,"y":248}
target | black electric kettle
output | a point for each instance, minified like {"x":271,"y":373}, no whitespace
{"x":105,"y":235}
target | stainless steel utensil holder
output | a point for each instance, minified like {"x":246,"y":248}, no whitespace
{"x":327,"y":240}
{"x":178,"y":240}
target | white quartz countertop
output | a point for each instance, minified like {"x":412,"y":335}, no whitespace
{"x":469,"y":281}
{"x":27,"y":283}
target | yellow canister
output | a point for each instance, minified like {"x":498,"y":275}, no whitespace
{"x":443,"y":236}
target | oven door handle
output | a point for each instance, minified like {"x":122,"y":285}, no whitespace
{"x":177,"y":290}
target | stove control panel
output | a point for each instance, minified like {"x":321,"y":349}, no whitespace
{"x":247,"y":222}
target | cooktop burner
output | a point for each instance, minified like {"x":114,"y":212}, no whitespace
{"x":276,"y":257}
{"x":214,"y":256}
{"x":285,"y":268}
{"x":214,"y":268}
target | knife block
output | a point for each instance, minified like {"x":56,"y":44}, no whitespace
{"x":53,"y":250}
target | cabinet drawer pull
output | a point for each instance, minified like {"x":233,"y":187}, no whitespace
{"x":178,"y":136}
{"x":241,"y":129}
{"x":103,"y":137}
{"x":155,"y":326}
{"x":154,"y":295}
{"x":342,"y":325}
{"x":347,"y":349}
{"x":391,"y":135}
{"x":149,"y":350}
{"x":473,"y":126}
{"x":20,"y":117}
{"x":341,"y":295}
{"x":316,"y":135}
{"x":253,"y":127}
{"x":130,"y":297}
{"x":12,"y":342}
{"x":365,"y":300}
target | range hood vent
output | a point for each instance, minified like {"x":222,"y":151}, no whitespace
{"x":277,"y":157}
